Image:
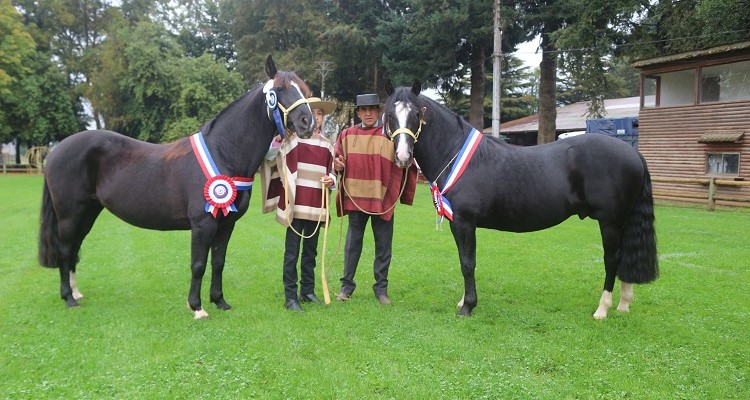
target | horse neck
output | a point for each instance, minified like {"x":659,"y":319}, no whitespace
{"x":441,"y":139}
{"x":239,"y":136}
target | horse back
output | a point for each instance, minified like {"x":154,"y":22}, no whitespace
{"x":143,"y":183}
{"x":523,"y":189}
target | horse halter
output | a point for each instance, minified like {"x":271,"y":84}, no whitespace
{"x":273,"y":106}
{"x":407,"y":131}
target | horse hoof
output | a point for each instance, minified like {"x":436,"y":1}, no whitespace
{"x":623,"y":308}
{"x":464,"y":312}
{"x":71,"y":302}
{"x":600,"y":316}
{"x":77,"y":295}
{"x":222,"y":305}
{"x":200,"y":314}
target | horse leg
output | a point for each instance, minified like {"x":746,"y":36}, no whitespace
{"x":201,"y":238}
{"x":465,"y":236}
{"x":611,"y":240}
{"x":626,"y":297}
{"x":71,"y":232}
{"x":218,"y":257}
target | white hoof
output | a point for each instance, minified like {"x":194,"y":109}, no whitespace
{"x":604,"y":304}
{"x":626,"y":297}
{"x":200,"y":314}
{"x":74,"y":286}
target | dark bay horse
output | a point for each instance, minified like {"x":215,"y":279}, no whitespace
{"x":195,"y":183}
{"x":482,"y":182}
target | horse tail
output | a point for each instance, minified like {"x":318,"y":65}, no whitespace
{"x":49,"y":242}
{"x":638,"y":259}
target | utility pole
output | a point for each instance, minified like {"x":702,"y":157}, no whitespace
{"x":324,"y":70}
{"x":497,"y":61}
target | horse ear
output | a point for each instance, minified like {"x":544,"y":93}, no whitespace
{"x":416,"y":87}
{"x":389,"y":87}
{"x":270,"y":67}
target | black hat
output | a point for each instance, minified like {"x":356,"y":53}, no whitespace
{"x":370,"y":99}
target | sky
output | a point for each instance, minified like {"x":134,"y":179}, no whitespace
{"x":528,"y":53}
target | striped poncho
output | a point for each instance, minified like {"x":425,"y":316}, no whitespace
{"x":299,"y":165}
{"x":372,"y":182}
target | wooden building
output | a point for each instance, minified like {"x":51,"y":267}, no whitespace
{"x":570,"y":118}
{"x":695,"y":125}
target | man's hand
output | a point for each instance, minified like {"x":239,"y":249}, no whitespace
{"x":327,"y":181}
{"x":338,"y":163}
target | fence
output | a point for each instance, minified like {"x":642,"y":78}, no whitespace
{"x":711,"y":187}
{"x":31,"y":162}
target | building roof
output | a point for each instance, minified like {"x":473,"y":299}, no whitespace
{"x":573,"y":116}
{"x":692,"y":55}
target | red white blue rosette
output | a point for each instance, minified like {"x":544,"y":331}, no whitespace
{"x":220,"y":192}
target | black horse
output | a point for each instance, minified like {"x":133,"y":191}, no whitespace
{"x":483,"y":182}
{"x":194,"y":183}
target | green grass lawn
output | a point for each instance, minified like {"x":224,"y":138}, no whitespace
{"x":532,"y":334}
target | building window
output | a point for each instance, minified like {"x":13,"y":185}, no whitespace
{"x":725,"y":82}
{"x":723,"y":164}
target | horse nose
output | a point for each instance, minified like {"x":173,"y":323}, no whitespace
{"x":306,"y":124}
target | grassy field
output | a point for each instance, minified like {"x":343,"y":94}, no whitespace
{"x":532,"y":335}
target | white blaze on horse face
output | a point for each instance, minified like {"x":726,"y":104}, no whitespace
{"x":403,"y":148}
{"x":301,"y":96}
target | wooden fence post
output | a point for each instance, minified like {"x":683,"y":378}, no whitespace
{"x":711,"y":194}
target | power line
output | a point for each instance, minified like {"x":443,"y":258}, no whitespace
{"x":324,"y":70}
{"x":631,"y":44}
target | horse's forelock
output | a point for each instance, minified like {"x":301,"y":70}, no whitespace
{"x":284,"y":79}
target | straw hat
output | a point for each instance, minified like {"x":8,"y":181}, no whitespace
{"x":326,"y":106}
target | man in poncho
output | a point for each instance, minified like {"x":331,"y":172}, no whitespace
{"x":371,"y":185}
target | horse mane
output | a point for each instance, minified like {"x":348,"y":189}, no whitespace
{"x":177,"y":149}
{"x":283,"y":79}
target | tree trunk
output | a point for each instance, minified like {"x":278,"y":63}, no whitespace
{"x":547,"y":92}
{"x":476,"y":96}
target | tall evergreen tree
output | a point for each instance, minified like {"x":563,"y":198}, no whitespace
{"x":438,"y":41}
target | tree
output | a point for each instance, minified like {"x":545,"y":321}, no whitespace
{"x":16,"y":49}
{"x":147,"y":89}
{"x":16,"y":46}
{"x":587,"y":32}
{"x":203,"y":88}
{"x":517,"y":97}
{"x":201,"y":27}
{"x":37,"y":103}
{"x":287,"y":29}
{"x":132,"y":85}
{"x":69,"y":32}
{"x":671,"y":27}
{"x":439,"y":41}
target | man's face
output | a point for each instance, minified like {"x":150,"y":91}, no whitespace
{"x":368,"y":115}
{"x":318,"y":114}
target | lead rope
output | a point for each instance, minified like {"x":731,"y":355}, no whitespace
{"x":401,"y":192}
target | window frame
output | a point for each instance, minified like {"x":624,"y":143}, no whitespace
{"x":723,"y":154}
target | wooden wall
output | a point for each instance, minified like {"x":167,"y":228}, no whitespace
{"x":668,"y":139}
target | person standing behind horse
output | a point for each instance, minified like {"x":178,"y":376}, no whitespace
{"x":305,"y":166}
{"x":371,"y":185}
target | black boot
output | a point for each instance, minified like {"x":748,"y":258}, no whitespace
{"x":293,"y":305}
